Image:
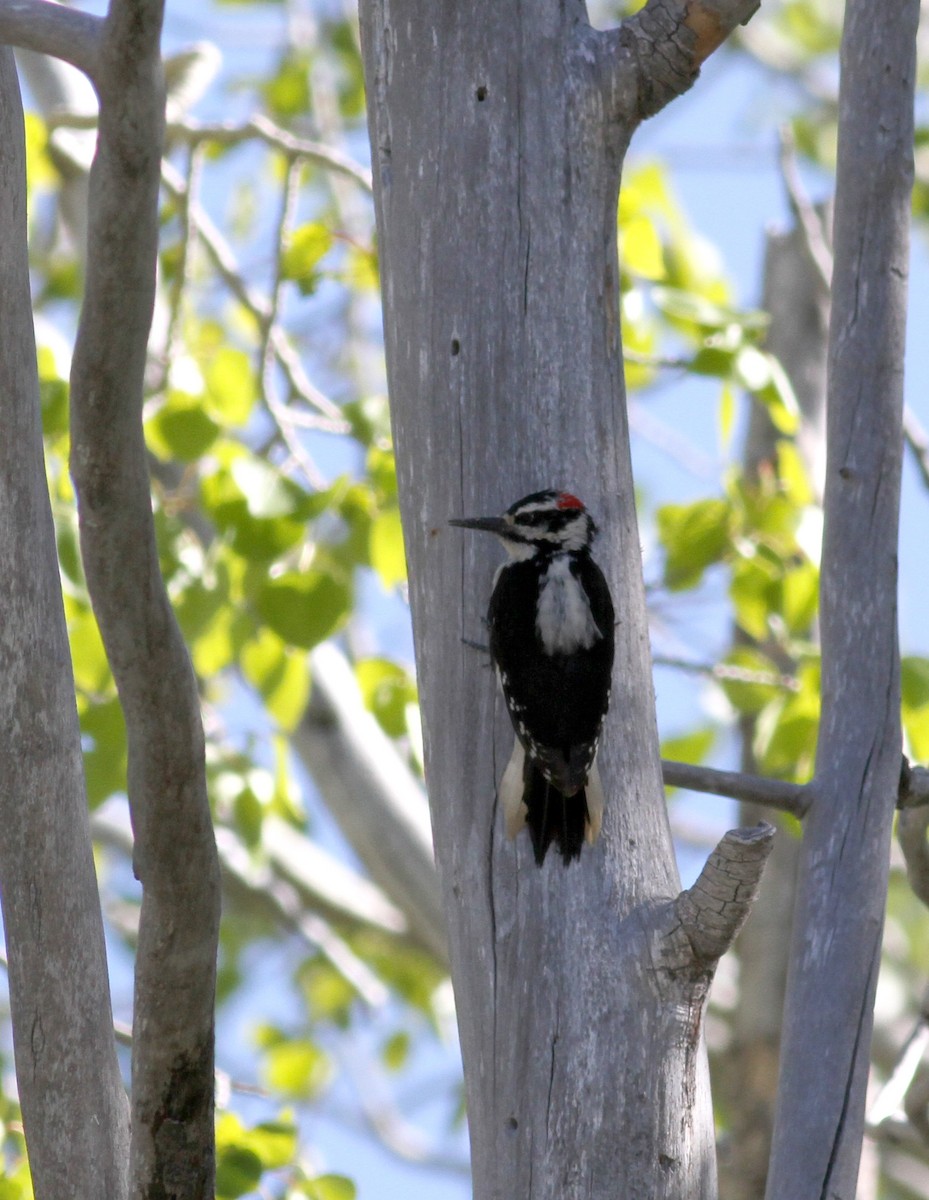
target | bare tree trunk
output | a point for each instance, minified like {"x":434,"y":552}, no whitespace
{"x":171,"y":1150}
{"x":796,"y":298}
{"x":74,"y":1104}
{"x":497,"y":138}
{"x":836,"y":940}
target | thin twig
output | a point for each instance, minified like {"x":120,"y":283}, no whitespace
{"x":729,"y":671}
{"x":187,"y":214}
{"x":266,"y":355}
{"x":917,"y":439}
{"x":228,"y":133}
{"x":803,"y":209}
{"x":257,"y":305}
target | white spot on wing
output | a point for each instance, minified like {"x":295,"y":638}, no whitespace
{"x":511,"y":792}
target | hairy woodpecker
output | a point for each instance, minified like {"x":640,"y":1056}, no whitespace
{"x":551,"y":640}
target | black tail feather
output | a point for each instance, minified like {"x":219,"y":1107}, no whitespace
{"x":553,"y":817}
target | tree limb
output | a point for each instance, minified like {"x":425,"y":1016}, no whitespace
{"x":912,"y":825}
{"x":714,"y":909}
{"x":53,"y":29}
{"x":670,"y":40}
{"x":350,"y":757}
{"x":175,"y":859}
{"x":794,"y":798}
{"x":914,"y":786}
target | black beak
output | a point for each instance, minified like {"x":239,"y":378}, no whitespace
{"x":488,"y":524}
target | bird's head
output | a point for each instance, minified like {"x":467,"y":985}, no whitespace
{"x":547,"y":522}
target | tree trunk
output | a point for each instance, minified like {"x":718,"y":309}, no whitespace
{"x":797,"y":299}
{"x":836,"y":942}
{"x":497,"y":141}
{"x":73,"y":1100}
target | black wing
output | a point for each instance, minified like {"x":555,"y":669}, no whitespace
{"x":557,"y":701}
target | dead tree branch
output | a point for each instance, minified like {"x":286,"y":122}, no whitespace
{"x":714,"y":909}
{"x":794,"y":798}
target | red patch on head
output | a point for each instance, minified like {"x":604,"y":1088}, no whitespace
{"x":566,"y":500}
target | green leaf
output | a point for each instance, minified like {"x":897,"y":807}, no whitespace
{"x":914,"y":685}
{"x":689,"y":308}
{"x":263,"y":513}
{"x":304,"y":608}
{"x":329,"y":1187}
{"x":297,"y":1068}
{"x":275,"y":1143}
{"x":793,"y":475}
{"x":777,"y":395}
{"x":105,"y":760}
{"x":388,"y":557}
{"x":690,"y":747}
{"x":694,"y":537}
{"x":755,"y":593}
{"x":238,"y":1171}
{"x":267,"y":492}
{"x":219,"y":642}
{"x":304,"y":249}
{"x":329,"y":995}
{"x":800,"y":598}
{"x":230,"y":386}
{"x":914,"y":682}
{"x":715,"y":361}
{"x":395,"y":1052}
{"x":181,"y":429}
{"x":53,"y":393}
{"x":69,"y":553}
{"x":279,"y":674}
{"x":369,"y":418}
{"x":381,"y":465}
{"x":387,"y":689}
{"x":288,"y":92}
{"x":248,"y":814}
{"x":785,"y":742}
{"x":641,"y":251}
{"x":91,"y":669}
{"x":726,"y":416}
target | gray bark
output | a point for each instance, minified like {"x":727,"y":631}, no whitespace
{"x":497,"y":139}
{"x":175,"y":854}
{"x":836,"y":940}
{"x":74,"y":1105}
{"x":797,"y":299}
{"x":171,"y":1149}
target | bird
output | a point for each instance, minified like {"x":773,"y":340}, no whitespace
{"x":551,"y":623}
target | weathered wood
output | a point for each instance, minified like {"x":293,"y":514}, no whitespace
{"x":497,"y":139}
{"x":796,"y":298}
{"x":172,"y":1144}
{"x":843,"y":872}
